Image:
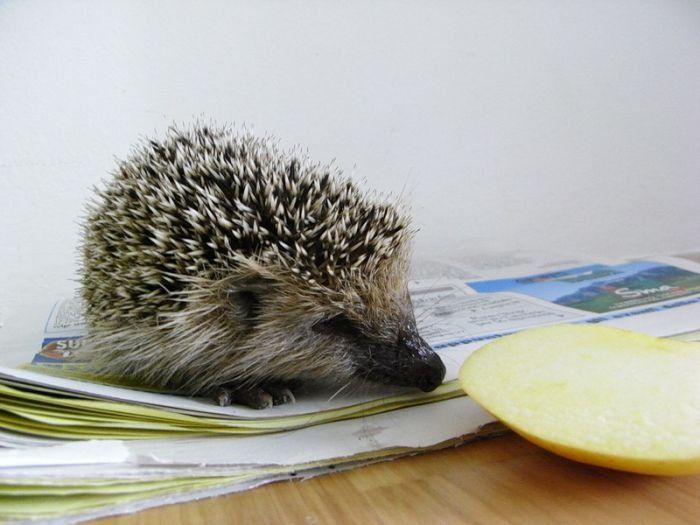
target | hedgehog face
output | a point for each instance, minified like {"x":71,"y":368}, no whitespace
{"x":336,"y":335}
{"x":392,"y":353}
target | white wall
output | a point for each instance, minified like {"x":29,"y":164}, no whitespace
{"x":545,"y":124}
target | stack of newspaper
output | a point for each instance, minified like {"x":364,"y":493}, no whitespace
{"x":74,"y":449}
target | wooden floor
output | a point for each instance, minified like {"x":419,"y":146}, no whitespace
{"x":502,"y":480}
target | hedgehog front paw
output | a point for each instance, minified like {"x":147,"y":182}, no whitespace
{"x":257,"y":397}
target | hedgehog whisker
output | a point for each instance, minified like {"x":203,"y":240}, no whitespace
{"x":430,"y":309}
{"x":346,"y":385}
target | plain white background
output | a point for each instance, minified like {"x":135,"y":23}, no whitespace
{"x":568,"y":126}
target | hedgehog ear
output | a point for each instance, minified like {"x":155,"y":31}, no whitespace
{"x":244,"y":304}
{"x":245,"y":297}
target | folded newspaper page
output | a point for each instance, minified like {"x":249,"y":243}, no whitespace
{"x":131,"y":475}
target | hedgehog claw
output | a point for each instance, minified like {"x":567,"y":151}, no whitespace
{"x":260,"y":399}
{"x":254,"y":397}
{"x":223,"y":397}
{"x":280,"y":396}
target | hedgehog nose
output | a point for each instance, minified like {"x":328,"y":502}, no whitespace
{"x":426,"y":370}
{"x":432,"y":375}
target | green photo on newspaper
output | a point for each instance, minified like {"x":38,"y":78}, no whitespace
{"x":600,"y":288}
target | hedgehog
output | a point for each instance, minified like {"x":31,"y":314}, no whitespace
{"x":216,"y":264}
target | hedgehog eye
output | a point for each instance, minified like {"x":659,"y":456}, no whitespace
{"x":338,"y":324}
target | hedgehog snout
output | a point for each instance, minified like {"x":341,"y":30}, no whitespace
{"x":421,"y":365}
{"x":408,"y":362}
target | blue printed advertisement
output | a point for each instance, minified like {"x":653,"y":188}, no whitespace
{"x":599,"y":288}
